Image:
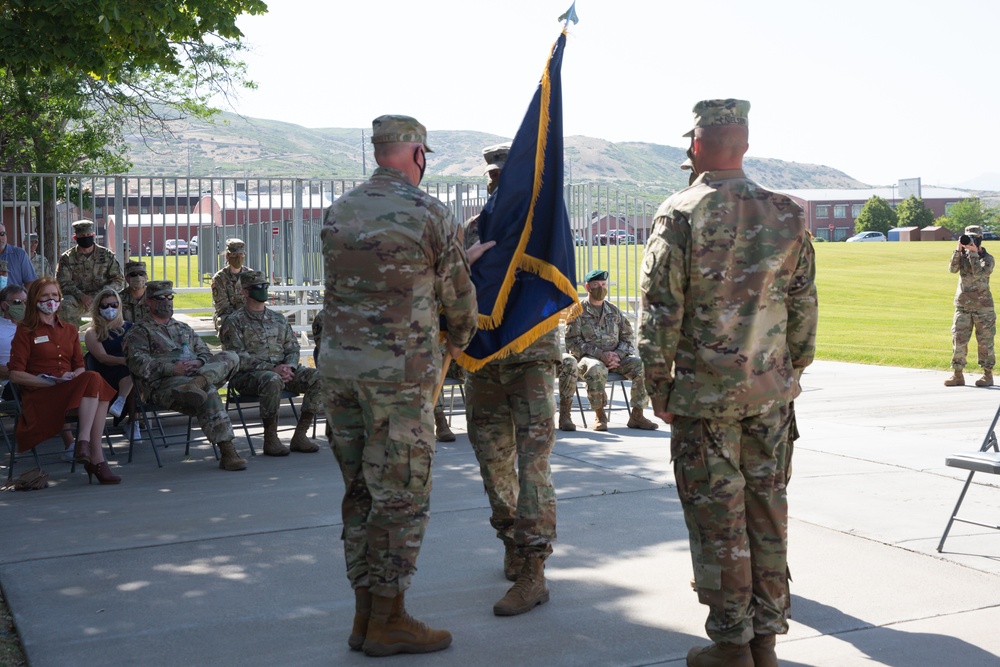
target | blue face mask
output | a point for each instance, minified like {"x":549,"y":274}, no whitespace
{"x":3,"y":281}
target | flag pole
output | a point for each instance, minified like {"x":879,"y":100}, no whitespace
{"x":444,"y":374}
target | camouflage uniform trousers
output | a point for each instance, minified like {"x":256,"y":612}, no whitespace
{"x":985,"y":324}
{"x":567,"y":377}
{"x":72,"y":311}
{"x":595,"y":374}
{"x":383,"y":438}
{"x":212,"y":415}
{"x":267,"y":385}
{"x":511,"y":416}
{"x":455,"y":372}
{"x":732,"y":478}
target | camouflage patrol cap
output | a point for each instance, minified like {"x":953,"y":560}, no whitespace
{"x":133,"y":266}
{"x":711,"y":113}
{"x":496,"y":156}
{"x":248,"y":278}
{"x":596,"y":274}
{"x":81,"y":227}
{"x":236,"y":246}
{"x":403,"y":129}
{"x":3,"y":266}
{"x":974,"y":230}
{"x":159,"y":288}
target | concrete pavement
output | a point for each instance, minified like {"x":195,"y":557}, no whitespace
{"x":189,"y":565}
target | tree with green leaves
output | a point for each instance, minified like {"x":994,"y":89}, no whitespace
{"x":913,"y":213}
{"x":967,"y":212}
{"x":876,"y":216}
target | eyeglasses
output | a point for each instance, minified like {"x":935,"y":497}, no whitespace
{"x":110,"y":305}
{"x":136,"y":274}
{"x":16,"y":302}
{"x":3,"y":233}
{"x":164,"y":297}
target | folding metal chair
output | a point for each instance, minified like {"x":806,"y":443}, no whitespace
{"x":240,"y":400}
{"x":613,"y":378}
{"x":984,"y":461}
{"x":152,"y":426}
{"x":451,"y":384}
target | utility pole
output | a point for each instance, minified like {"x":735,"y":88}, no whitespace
{"x":364,"y":168}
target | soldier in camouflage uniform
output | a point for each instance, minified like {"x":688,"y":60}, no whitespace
{"x":154,"y":347}
{"x":511,"y":417}
{"x":973,"y":308}
{"x":227,"y":294}
{"x":269,"y":363}
{"x":84,"y":271}
{"x":38,"y":261}
{"x":380,"y":363}
{"x":728,"y":324}
{"x":133,"y":297}
{"x":601,"y":340}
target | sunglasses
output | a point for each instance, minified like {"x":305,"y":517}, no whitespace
{"x":3,"y":233}
{"x":257,"y":286}
{"x":16,"y":302}
{"x":113,"y":304}
{"x":164,"y":297}
{"x":135,"y":274}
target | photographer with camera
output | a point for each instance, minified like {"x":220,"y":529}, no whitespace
{"x":973,"y":306}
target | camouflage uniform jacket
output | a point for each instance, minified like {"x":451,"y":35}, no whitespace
{"x":227,"y":293}
{"x":546,"y":348}
{"x":262,"y":340}
{"x":600,"y":329}
{"x":393,"y":261}
{"x":152,"y":349}
{"x":79,"y":274}
{"x":41,"y":265}
{"x":133,"y":310}
{"x":973,"y":291}
{"x":728,"y":299}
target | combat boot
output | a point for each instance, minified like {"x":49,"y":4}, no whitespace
{"x":391,"y":630}
{"x":513,"y":562}
{"x":362,"y":612}
{"x":528,"y":591}
{"x":566,"y":415}
{"x":720,"y":655}
{"x":229,"y":459}
{"x":986,"y":380}
{"x":638,"y":420}
{"x":956,"y":380}
{"x":272,"y":445}
{"x":441,"y":429}
{"x":192,"y":394}
{"x":600,"y":420}
{"x":762,"y":650}
{"x":300,"y":439}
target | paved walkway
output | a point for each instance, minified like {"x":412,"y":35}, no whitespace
{"x":189,"y":565}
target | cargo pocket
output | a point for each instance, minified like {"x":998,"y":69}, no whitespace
{"x":408,"y":455}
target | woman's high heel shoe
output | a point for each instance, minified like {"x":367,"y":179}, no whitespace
{"x":81,"y":451}
{"x":102,"y":471}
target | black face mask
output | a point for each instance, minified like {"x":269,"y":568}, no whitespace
{"x":164,"y":309}
{"x":423,"y":168}
{"x":85,"y":241}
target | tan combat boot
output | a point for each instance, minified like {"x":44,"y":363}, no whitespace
{"x":192,"y":394}
{"x":956,"y":380}
{"x":720,"y":655}
{"x":566,"y":415}
{"x":362,"y":612}
{"x":272,"y":445}
{"x":441,"y":429}
{"x":230,"y":460}
{"x":391,"y":630}
{"x":528,"y":591}
{"x":638,"y":420}
{"x":600,"y":420}
{"x":300,"y":439}
{"x":986,"y":380}
{"x":762,"y":650}
{"x":513,"y":562}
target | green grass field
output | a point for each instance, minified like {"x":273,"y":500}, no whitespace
{"x":182,"y":270}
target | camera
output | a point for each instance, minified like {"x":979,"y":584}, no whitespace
{"x":965,"y":239}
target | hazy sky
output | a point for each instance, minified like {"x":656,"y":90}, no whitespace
{"x":879,"y":89}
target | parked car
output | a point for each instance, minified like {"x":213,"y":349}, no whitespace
{"x":176,"y":247}
{"x":991,"y":236}
{"x":624,"y":238}
{"x":193,"y":245}
{"x":867,"y":236}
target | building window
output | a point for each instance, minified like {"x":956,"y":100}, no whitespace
{"x":144,"y":209}
{"x":947,"y":208}
{"x":856,"y":210}
{"x":840,"y":211}
{"x":98,"y":211}
{"x":822,"y":211}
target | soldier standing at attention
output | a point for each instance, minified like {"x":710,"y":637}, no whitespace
{"x":227,"y":294}
{"x":133,"y":297}
{"x":973,"y":307}
{"x":728,"y":324}
{"x":380,"y":363}
{"x":84,"y":271}
{"x":269,"y":363}
{"x":38,"y":261}
{"x":173,"y":367}
{"x":511,"y":418}
{"x":601,"y":340}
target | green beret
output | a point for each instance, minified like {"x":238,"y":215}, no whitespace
{"x":596,"y":274}
{"x":399,"y":129}
{"x":248,"y":278}
{"x":495,"y":156}
{"x":159,"y":288}
{"x":236,"y":246}
{"x":81,"y":227}
{"x":710,"y":113}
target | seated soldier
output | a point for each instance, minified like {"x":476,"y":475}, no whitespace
{"x":269,"y":362}
{"x":174,"y":368}
{"x":601,"y":340}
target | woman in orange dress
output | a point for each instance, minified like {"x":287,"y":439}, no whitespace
{"x":46,"y":363}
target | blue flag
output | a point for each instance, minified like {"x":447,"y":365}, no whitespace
{"x":527,"y":282}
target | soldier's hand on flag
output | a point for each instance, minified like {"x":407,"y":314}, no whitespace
{"x":477,"y":249}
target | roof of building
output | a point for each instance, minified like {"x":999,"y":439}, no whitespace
{"x":863,"y":194}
